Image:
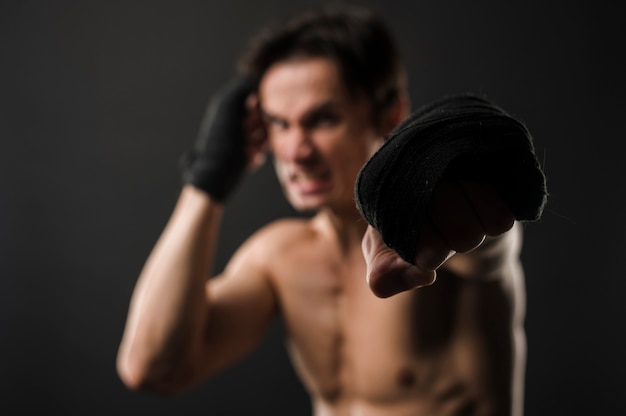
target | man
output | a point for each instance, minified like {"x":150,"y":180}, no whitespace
{"x":364,"y":332}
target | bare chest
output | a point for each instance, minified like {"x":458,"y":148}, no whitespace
{"x":347,"y":344}
{"x":342,"y":337}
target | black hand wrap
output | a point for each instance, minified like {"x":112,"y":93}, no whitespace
{"x":218,"y":159}
{"x":462,"y":137}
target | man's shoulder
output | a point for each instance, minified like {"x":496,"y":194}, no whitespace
{"x":282,"y":234}
{"x":272,"y":243}
{"x":285,"y":232}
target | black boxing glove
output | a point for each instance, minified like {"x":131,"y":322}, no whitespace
{"x":463,"y":137}
{"x":217,"y":161}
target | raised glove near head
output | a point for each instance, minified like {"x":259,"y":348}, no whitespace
{"x":218,"y":159}
{"x":462,"y":137}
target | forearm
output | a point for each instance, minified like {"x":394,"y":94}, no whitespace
{"x":169,"y":307}
{"x":492,"y":259}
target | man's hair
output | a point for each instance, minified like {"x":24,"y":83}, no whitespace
{"x":353,"y":37}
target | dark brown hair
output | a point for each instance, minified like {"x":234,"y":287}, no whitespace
{"x":353,"y":37}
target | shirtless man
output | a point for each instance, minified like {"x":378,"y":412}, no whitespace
{"x":368,"y":333}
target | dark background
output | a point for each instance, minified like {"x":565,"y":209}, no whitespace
{"x":99,"y":98}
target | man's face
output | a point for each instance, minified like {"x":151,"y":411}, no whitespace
{"x":320,"y":135}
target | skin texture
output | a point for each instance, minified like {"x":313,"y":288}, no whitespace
{"x":368,"y":333}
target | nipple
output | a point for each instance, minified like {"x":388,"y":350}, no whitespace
{"x":406,"y":377}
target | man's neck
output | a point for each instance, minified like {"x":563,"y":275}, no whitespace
{"x":346,"y":227}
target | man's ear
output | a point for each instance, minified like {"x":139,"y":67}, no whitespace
{"x":395,"y":113}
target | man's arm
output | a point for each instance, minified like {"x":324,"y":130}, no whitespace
{"x":182,"y":327}
{"x":453,"y":173}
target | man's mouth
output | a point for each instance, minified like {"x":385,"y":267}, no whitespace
{"x":311,"y":182}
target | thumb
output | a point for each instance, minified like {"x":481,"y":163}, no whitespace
{"x":387,"y":273}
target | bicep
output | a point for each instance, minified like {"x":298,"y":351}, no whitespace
{"x":242,"y":305}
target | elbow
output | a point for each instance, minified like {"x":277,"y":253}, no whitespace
{"x":132,"y":376}
{"x":138,"y":376}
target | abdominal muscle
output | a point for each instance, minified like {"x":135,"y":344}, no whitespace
{"x":431,"y":351}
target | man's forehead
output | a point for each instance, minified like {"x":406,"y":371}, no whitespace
{"x":302,"y":82}
{"x":292,"y":96}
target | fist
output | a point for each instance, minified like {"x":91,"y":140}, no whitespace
{"x":460,"y":216}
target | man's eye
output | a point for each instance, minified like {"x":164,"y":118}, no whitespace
{"x":277,"y":124}
{"x":326,"y":120}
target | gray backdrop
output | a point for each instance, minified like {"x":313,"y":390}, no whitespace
{"x":99,"y":98}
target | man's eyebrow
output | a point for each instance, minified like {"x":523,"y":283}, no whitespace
{"x":312,"y":113}
{"x":322,"y":107}
{"x":311,"y":116}
{"x":271,"y":117}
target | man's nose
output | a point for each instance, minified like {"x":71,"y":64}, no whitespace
{"x":299,"y":145}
